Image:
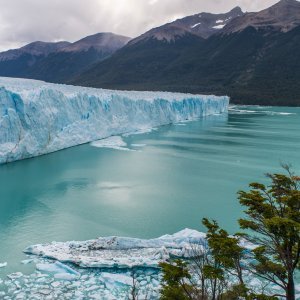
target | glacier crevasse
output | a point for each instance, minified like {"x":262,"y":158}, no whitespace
{"x":38,"y":117}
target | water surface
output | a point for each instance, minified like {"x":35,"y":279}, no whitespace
{"x":183,"y":173}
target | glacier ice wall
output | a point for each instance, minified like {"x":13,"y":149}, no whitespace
{"x":38,"y":118}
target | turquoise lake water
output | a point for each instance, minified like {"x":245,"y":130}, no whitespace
{"x":183,"y":173}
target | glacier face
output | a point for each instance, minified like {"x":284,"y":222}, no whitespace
{"x":38,"y":117}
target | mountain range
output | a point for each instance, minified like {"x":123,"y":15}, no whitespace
{"x":59,"y":62}
{"x":253,"y":57}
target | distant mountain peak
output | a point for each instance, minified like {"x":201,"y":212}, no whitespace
{"x":58,"y":62}
{"x":104,"y":41}
{"x":201,"y":25}
{"x":37,"y":48}
{"x":99,"y":41}
{"x":286,"y":4}
{"x":288,"y":1}
{"x":282,"y":16}
{"x":237,"y":9}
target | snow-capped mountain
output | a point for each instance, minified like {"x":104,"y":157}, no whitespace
{"x":254,"y":57}
{"x":202,"y":25}
{"x":206,"y":24}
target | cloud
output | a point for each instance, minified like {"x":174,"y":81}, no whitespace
{"x":24,"y":21}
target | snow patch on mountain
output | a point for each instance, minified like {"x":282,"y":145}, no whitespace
{"x":195,"y":25}
{"x":221,"y":26}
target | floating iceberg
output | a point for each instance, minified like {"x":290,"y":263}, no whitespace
{"x":59,"y":269}
{"x":113,"y":142}
{"x":122,"y":252}
{"x":38,"y":118}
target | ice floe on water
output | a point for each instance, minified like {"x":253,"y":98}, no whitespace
{"x":3,"y":265}
{"x":140,"y":131}
{"x":60,"y":270}
{"x":106,"y":268}
{"x":26,"y":261}
{"x":91,"y":284}
{"x":122,"y":252}
{"x":246,"y":110}
{"x":138,"y":145}
{"x":113,"y":142}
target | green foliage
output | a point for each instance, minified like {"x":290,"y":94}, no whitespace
{"x":174,"y":285}
{"x":225,"y":249}
{"x":173,"y":274}
{"x":236,"y":292}
{"x":273,"y":213}
{"x":213,"y":272}
{"x":273,"y":218}
{"x":173,"y":293}
{"x":227,"y":253}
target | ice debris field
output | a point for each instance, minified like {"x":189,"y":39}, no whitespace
{"x":122,"y":252}
{"x":38,"y":117}
{"x":105,"y":268}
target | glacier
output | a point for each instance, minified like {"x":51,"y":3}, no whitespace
{"x":38,"y":118}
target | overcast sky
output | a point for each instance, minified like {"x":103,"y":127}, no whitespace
{"x":24,"y":21}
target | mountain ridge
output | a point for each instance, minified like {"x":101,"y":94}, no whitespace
{"x":253,"y":57}
{"x":282,"y":16}
{"x":37,"y":48}
{"x":99,"y":41}
{"x":58,"y":62}
{"x":254,"y":65}
{"x":202,"y":25}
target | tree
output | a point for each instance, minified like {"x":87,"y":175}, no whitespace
{"x":273,"y":214}
{"x":227,"y":253}
{"x":201,"y":278}
{"x":208,"y":276}
{"x":272,"y":225}
{"x":175,"y":278}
